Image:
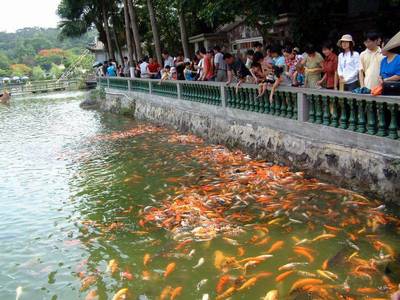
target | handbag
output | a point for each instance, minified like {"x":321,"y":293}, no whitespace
{"x":391,"y":88}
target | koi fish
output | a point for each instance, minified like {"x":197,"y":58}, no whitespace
{"x":222,"y":282}
{"x":87,"y":282}
{"x":256,"y":258}
{"x":205,"y":297}
{"x":305,"y":281}
{"x":325,"y":264}
{"x":165,"y":292}
{"x":241,"y":251}
{"x":145,"y":275}
{"x":328,"y":275}
{"x":367,"y":290}
{"x":283,"y":276}
{"x":276,"y":246}
{"x":122,"y":294}
{"x":169,"y":269}
{"x":332,"y":228}
{"x":18,"y":292}
{"x":249,"y":283}
{"x":201,"y":283}
{"x":291,"y":266}
{"x":231,"y":241}
{"x":92,"y":295}
{"x":176,"y":292}
{"x":127,"y":275}
{"x":271,"y":295}
{"x":304,"y":252}
{"x":323,"y":237}
{"x":219,"y":258}
{"x":112,"y":266}
{"x":146,"y":259}
{"x":199,"y":263}
{"x":229,"y":292}
{"x":183,"y":244}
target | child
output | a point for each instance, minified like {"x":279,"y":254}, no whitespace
{"x":298,"y":75}
{"x":189,"y":73}
{"x":165,"y":74}
{"x":259,"y":78}
{"x":277,"y":80}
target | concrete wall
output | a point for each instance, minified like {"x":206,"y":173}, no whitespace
{"x":368,"y":164}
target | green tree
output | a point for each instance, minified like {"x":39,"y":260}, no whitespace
{"x":38,"y":73}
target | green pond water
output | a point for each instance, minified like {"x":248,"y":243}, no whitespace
{"x":58,"y":178}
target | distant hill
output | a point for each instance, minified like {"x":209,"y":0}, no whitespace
{"x":21,"y":52}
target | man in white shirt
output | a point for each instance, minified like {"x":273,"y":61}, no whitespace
{"x":370,"y":61}
{"x":220,"y":65}
{"x":144,"y":68}
{"x":168,"y":59}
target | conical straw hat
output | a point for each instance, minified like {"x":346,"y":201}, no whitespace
{"x":393,"y":43}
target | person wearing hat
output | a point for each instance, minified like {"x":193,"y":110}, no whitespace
{"x":390,"y":65}
{"x":348,"y":64}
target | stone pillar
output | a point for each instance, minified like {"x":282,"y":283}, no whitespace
{"x":129,"y":85}
{"x":150,"y":88}
{"x":302,"y":107}
{"x":108,"y":82}
{"x":178,"y":89}
{"x":223,"y":94}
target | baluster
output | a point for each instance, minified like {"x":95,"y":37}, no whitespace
{"x":326,"y":117}
{"x":261,"y":104}
{"x":289,"y":101}
{"x":294,"y":101}
{"x":353,"y":115}
{"x":361,"y":123}
{"x":343,"y":113}
{"x":283,"y":104}
{"x":393,"y":127}
{"x":318,"y":110}
{"x":371,"y":117}
{"x":252,"y":100}
{"x":311,"y":103}
{"x":273,"y":105}
{"x":246,"y":99}
{"x":335,"y":116}
{"x":241,"y":98}
{"x":382,"y":121}
{"x":278,"y":103}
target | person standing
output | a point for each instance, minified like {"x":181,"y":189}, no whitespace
{"x":154,"y":68}
{"x":208,"y":74}
{"x":370,"y":61}
{"x":329,"y":67}
{"x":220,"y":65}
{"x":312,"y":62}
{"x":348,"y":65}
{"x":168,"y":59}
{"x":144,"y":68}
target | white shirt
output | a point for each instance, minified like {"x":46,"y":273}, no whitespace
{"x":169,"y":61}
{"x":219,"y":59}
{"x":200,"y":66}
{"x":348,"y":66}
{"x":144,"y":73}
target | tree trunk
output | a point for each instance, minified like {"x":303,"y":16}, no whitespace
{"x":117,"y":42}
{"x":128,"y":37}
{"x":135,"y":30}
{"x":154,"y":28}
{"x":182,"y":26}
{"x":110,"y":49}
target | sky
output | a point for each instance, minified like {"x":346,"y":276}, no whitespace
{"x":17,"y":14}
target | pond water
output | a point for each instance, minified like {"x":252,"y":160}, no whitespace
{"x":94,"y":204}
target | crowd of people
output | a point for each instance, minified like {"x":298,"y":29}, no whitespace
{"x":274,"y":65}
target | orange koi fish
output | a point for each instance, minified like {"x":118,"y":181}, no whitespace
{"x":263,"y":275}
{"x":305,"y":281}
{"x":146,"y":259}
{"x":222,"y":282}
{"x":379,"y":245}
{"x":145,"y":275}
{"x":176,"y":292}
{"x":219,"y":258}
{"x":122,"y":294}
{"x":229,"y":292}
{"x":87,"y":282}
{"x":263,"y":241}
{"x":127,"y":275}
{"x":169,"y":269}
{"x":276,"y":246}
{"x":241,"y":251}
{"x":325,"y":264}
{"x":165,"y":292}
{"x":367,"y":290}
{"x":249,"y":283}
{"x":332,"y":228}
{"x":305,"y":253}
{"x":184,"y":243}
{"x":92,"y":295}
{"x":283,"y":276}
{"x":323,"y":237}
{"x":112,"y":266}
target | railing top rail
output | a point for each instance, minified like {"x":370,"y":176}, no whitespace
{"x":282,"y":88}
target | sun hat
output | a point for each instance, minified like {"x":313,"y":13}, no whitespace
{"x":345,"y":38}
{"x":393,"y":43}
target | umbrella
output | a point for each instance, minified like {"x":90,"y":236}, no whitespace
{"x":25,"y":78}
{"x":6,"y":79}
{"x":15,"y":78}
{"x":97,"y":64}
{"x":394,"y":44}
